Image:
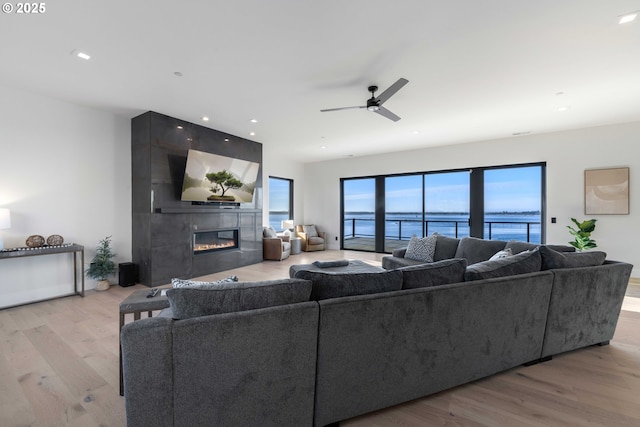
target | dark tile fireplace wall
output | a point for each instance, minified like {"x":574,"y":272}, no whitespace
{"x":163,"y":225}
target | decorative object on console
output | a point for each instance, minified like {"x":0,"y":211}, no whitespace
{"x":5,"y":222}
{"x":582,"y":234}
{"x":55,"y":240}
{"x":35,"y":241}
{"x":102,"y":266}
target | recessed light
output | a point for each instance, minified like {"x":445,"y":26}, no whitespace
{"x":563,"y":108}
{"x":226,"y":140}
{"x":179,"y":127}
{"x":628,"y":17}
{"x":323,"y":147}
{"x":205,"y":118}
{"x":415,"y":132}
{"x":80,"y":54}
{"x":252,"y":133}
{"x":253,"y":121}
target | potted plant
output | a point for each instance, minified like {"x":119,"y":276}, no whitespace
{"x":582,"y":233}
{"x":102,"y":266}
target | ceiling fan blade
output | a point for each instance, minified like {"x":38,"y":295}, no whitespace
{"x":391,"y":90}
{"x":388,"y":114}
{"x":342,"y":108}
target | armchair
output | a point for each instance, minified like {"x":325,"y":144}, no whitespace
{"x":311,"y":238}
{"x":274,"y":247}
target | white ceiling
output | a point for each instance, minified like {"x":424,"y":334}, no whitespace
{"x":477,"y":69}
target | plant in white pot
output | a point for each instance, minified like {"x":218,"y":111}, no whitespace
{"x":102,"y":266}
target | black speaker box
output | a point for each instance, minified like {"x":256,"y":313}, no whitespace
{"x":128,"y":274}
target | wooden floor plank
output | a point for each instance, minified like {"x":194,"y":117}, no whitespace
{"x":59,"y":366}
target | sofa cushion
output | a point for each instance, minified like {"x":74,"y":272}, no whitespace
{"x":476,"y":250}
{"x":421,"y":249}
{"x":181,"y":283}
{"x":445,"y":247}
{"x":433,"y":274}
{"x":517,"y":246}
{"x":554,"y":259}
{"x":239,"y":296}
{"x":331,"y":284}
{"x":315,"y":240}
{"x":522,"y":263}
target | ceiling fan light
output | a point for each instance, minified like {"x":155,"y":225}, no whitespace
{"x":373,"y":108}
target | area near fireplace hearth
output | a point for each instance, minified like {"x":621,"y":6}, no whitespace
{"x":175,"y":238}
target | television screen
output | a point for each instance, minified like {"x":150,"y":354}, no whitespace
{"x":213,"y":178}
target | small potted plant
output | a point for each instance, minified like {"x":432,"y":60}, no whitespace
{"x":582,"y":234}
{"x":102,"y":266}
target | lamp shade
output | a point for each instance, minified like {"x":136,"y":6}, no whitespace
{"x":5,"y":218}
{"x":287,"y":224}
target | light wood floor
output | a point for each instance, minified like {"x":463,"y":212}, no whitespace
{"x":59,"y":366}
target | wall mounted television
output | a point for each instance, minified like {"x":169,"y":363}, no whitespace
{"x":211,"y":178}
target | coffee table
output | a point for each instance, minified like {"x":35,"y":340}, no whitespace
{"x":137,"y":303}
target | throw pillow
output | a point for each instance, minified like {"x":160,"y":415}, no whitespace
{"x":329,"y":264}
{"x":236,"y":296}
{"x":553,"y":259}
{"x":522,"y":263}
{"x":421,"y":249}
{"x":433,"y":274}
{"x":334,"y":285}
{"x":180,"y":283}
{"x":476,"y":250}
{"x":445,"y":247}
{"x":269,"y":232}
{"x":310,"y":230}
{"x":501,"y":254}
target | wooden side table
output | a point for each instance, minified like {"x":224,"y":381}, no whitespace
{"x":136,"y":303}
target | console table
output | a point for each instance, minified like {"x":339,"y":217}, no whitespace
{"x":78,"y":260}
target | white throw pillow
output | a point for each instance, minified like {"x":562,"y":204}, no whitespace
{"x":180,"y":283}
{"x":421,"y":249}
{"x":502,"y":254}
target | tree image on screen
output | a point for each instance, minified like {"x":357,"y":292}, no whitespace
{"x":222,"y":181}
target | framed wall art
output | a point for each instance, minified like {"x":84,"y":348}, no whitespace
{"x":606,"y":191}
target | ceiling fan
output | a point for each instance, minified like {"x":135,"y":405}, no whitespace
{"x":375,"y":103}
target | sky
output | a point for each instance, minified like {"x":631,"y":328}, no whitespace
{"x":509,"y":189}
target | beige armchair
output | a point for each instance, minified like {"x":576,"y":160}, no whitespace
{"x":311,"y":238}
{"x":274,"y":247}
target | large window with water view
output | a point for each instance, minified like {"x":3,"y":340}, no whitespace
{"x":280,"y":201}
{"x":382,"y":213}
{"x":359,"y":205}
{"x":513,"y":204}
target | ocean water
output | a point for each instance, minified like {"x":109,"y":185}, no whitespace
{"x":401,"y":226}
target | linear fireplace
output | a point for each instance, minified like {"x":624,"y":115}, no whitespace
{"x":215,"y":240}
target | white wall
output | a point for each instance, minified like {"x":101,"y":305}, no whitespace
{"x":567,"y":155}
{"x":64,"y":169}
{"x":273,"y":165}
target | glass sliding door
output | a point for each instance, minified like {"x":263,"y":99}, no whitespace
{"x":403,"y":210}
{"x":358,"y":214}
{"x":513,"y":203}
{"x":446,"y":203}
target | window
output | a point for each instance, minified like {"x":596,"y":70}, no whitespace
{"x":358,"y":213}
{"x":280,"y":201}
{"x":513,"y":203}
{"x":502,"y":203}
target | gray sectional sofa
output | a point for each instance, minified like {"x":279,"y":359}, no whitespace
{"x":327,"y":345}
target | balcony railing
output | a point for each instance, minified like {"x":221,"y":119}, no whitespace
{"x":365,"y":227}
